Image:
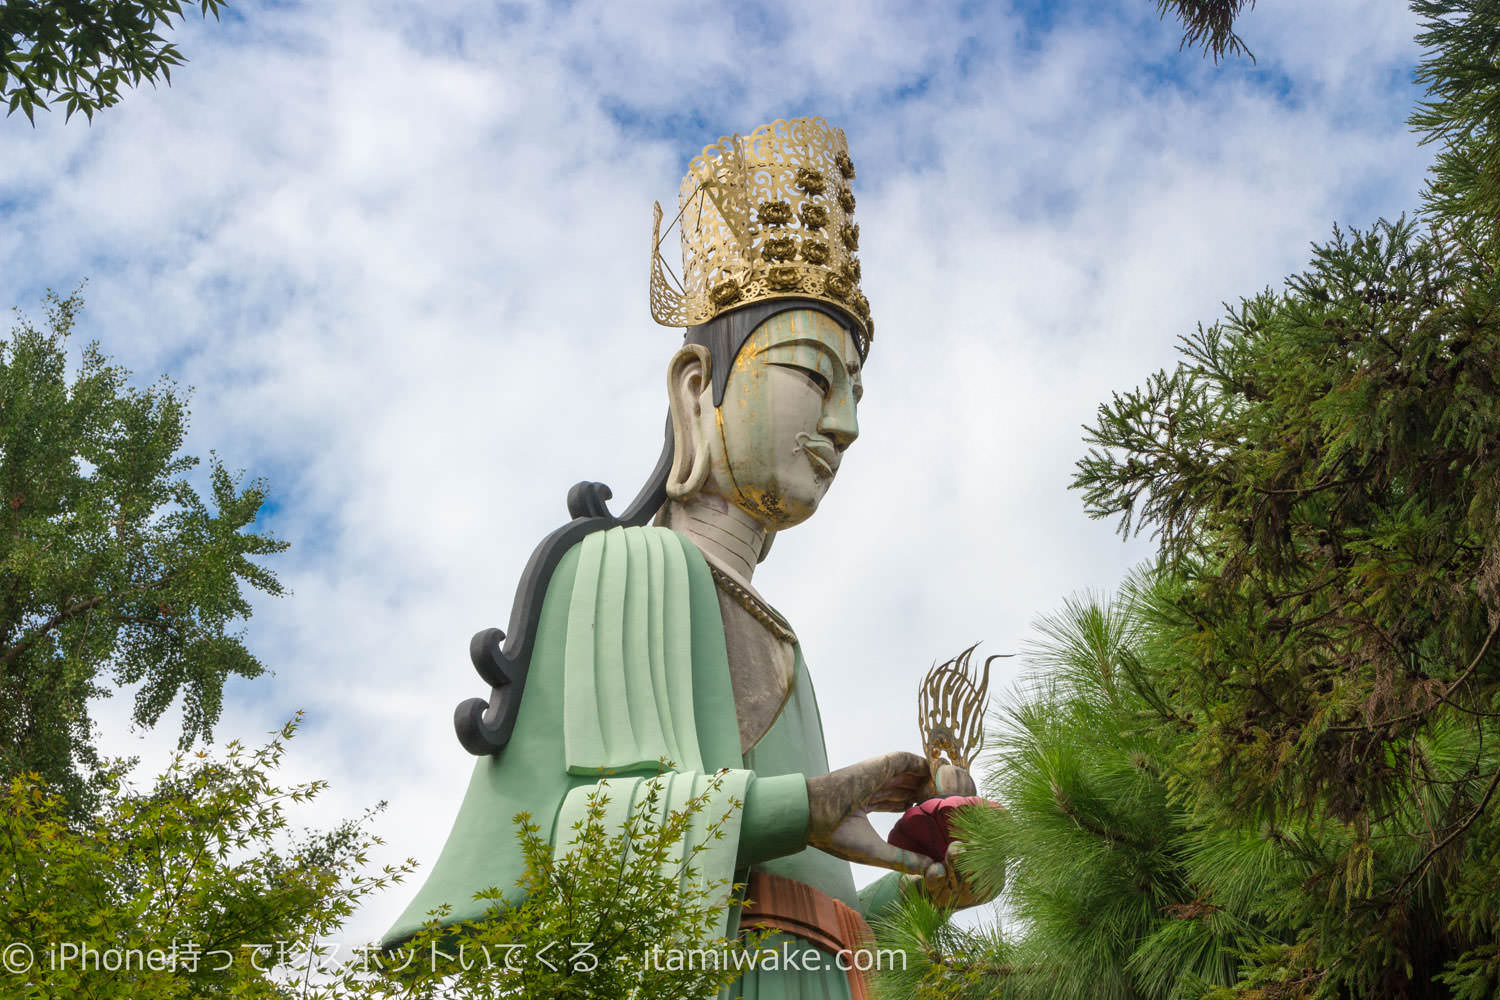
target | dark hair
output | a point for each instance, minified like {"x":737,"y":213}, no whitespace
{"x":484,"y":725}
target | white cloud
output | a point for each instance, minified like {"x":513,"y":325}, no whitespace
{"x":402,"y":259}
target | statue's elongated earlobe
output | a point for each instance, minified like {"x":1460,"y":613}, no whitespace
{"x":688,"y":376}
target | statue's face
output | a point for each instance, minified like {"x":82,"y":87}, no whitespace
{"x":788,"y":415}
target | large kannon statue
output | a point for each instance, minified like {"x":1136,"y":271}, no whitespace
{"x":632,"y":642}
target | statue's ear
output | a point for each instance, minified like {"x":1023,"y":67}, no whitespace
{"x":688,"y":376}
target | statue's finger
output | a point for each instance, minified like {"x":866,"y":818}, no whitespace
{"x":895,"y":797}
{"x":909,"y":765}
{"x":905,"y":786}
{"x":856,"y":840}
{"x":888,"y":783}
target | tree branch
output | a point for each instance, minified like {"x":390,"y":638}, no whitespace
{"x":30,"y":639}
{"x":1415,"y":713}
{"x":1468,"y":821}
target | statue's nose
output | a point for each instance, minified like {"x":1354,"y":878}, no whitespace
{"x":840,"y":425}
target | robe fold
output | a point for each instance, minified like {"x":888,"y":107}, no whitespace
{"x":629,"y":670}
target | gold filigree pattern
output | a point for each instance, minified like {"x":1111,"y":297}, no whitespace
{"x":740,"y":204}
{"x":950,"y":710}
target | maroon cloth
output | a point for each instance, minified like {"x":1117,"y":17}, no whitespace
{"x":924,"y":827}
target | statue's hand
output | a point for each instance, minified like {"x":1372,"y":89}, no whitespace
{"x":947,"y":886}
{"x":944,"y":883}
{"x":840,"y":803}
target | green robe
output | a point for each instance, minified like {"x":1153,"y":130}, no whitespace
{"x":630,"y":668}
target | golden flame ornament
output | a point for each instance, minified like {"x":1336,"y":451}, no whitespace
{"x":950,"y":710}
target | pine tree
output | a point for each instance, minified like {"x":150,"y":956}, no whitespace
{"x":1118,"y":891}
{"x":1282,"y":781}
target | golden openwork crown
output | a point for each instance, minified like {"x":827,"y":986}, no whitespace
{"x":763,"y":216}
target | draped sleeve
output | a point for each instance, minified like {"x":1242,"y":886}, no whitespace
{"x":629,"y":675}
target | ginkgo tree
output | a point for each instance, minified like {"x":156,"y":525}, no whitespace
{"x":114,"y":569}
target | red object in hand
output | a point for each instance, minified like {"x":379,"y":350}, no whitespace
{"x":924,"y":827}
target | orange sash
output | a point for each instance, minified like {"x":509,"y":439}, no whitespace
{"x":779,"y":903}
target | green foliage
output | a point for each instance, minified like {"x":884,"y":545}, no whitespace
{"x":80,"y":52}
{"x":1128,"y":881}
{"x":1270,"y":768}
{"x":598,"y":922}
{"x":1113,"y":884}
{"x":1461,"y":114}
{"x":198,"y":886}
{"x":111,"y":564}
{"x":1323,"y":475}
{"x":942,"y":961}
{"x":191,"y":888}
{"x":1096,"y":849}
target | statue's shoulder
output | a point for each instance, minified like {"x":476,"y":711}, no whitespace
{"x":593,"y":575}
{"x":642,"y":555}
{"x":639,"y":647}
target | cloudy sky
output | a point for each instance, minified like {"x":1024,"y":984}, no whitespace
{"x":400,"y":253}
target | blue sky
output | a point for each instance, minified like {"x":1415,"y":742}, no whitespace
{"x":400,"y":254}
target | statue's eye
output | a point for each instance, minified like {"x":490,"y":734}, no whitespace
{"x":814,"y":376}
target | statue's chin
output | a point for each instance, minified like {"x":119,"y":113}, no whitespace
{"x":778,"y":511}
{"x":777,"y":502}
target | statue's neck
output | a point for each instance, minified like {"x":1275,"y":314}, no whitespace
{"x":730,"y":539}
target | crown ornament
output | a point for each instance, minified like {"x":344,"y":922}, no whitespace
{"x":763,"y":216}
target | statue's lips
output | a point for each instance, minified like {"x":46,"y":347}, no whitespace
{"x":821,"y":454}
